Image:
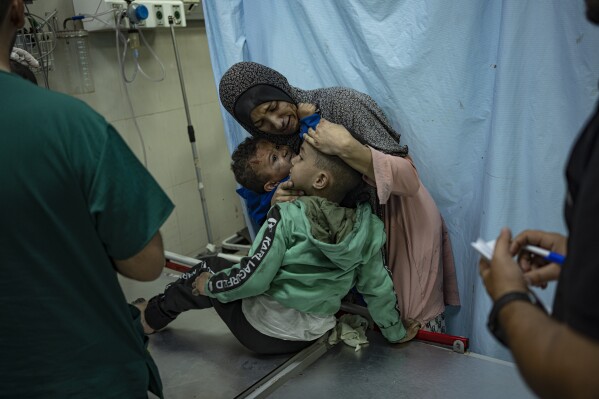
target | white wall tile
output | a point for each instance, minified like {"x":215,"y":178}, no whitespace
{"x":163,"y":125}
{"x":190,"y":215}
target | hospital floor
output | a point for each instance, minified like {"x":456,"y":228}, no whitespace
{"x":199,"y":358}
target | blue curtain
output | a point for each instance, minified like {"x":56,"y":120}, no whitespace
{"x":488,"y":95}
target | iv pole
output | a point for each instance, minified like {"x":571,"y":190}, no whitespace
{"x":190,"y":132}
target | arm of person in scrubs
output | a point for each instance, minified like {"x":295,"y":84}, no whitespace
{"x":147,"y":264}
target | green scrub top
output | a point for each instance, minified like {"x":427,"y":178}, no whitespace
{"x":73,"y":197}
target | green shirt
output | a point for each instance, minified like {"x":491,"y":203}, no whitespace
{"x":73,"y":197}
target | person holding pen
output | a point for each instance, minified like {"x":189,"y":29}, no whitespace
{"x":542,"y":255}
{"x":557,"y":355}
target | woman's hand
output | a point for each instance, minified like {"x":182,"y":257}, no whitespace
{"x":285,"y":192}
{"x":537,"y":270}
{"x":330,"y":138}
{"x":333,"y":139}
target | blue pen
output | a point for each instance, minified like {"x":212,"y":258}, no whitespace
{"x":548,"y":255}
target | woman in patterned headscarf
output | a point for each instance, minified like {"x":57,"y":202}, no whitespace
{"x":248,"y":84}
{"x":354,"y":128}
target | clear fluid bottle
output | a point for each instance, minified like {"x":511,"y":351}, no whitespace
{"x":75,"y":73}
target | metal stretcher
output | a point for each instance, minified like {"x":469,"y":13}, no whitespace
{"x":199,"y":358}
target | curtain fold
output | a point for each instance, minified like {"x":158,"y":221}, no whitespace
{"x":488,"y":95}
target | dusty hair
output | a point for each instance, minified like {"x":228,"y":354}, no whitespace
{"x":241,"y":165}
{"x":345,"y":178}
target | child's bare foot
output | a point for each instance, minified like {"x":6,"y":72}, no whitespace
{"x":141,"y":304}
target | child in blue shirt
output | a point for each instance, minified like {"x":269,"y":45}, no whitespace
{"x":260,"y":166}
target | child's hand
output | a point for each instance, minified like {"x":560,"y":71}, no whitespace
{"x":412,"y":327}
{"x":305,"y":109}
{"x":285,"y":192}
{"x":199,"y":283}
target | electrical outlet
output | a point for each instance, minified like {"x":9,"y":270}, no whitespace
{"x":177,"y":14}
{"x":159,"y":14}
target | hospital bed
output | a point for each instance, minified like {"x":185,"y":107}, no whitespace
{"x":199,"y":358}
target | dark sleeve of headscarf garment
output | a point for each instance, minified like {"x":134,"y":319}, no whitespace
{"x":247,"y":84}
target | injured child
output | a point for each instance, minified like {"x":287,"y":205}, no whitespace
{"x":307,"y":256}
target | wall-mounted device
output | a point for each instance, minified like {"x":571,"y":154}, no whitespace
{"x":158,"y":12}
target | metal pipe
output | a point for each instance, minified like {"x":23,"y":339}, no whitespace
{"x":181,"y":259}
{"x":190,"y":132}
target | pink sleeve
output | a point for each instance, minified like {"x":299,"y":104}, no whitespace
{"x":393,"y":176}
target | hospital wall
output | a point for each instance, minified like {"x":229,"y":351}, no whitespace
{"x":160,"y":113}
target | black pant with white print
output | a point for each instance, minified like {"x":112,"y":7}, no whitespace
{"x":178,"y":297}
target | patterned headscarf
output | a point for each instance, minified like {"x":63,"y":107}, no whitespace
{"x":356,"y":111}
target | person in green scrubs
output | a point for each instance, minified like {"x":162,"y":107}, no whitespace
{"x":76,"y":208}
